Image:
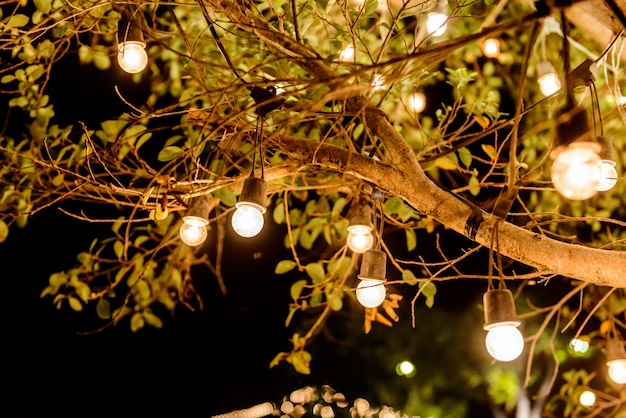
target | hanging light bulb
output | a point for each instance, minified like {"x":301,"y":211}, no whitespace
{"x":547,"y":78}
{"x":132,"y":56}
{"x":247,"y":220}
{"x":491,"y":47}
{"x":575,"y":169}
{"x":193,"y":231}
{"x":504,"y":340}
{"x":436,"y":23}
{"x":360,"y":237}
{"x":608,"y":173}
{"x":417,"y":102}
{"x":347,"y":54}
{"x":371,"y":292}
{"x":616,"y":360}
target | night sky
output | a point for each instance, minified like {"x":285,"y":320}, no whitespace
{"x":53,"y":364}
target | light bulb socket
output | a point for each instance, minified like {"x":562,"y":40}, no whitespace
{"x":373,"y":265}
{"x":499,"y":309}
{"x":129,"y":31}
{"x":614,"y":350}
{"x":199,"y":209}
{"x":572,"y":128}
{"x":254,"y":193}
{"x":606,"y":149}
{"x":360,"y":215}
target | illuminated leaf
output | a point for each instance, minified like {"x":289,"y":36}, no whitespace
{"x":169,"y":153}
{"x":4,"y":231}
{"x":490,"y":151}
{"x":103,"y":309}
{"x":136,"y":322}
{"x":284,"y":266}
{"x":75,"y":304}
{"x":411,"y":239}
{"x":315,"y":272}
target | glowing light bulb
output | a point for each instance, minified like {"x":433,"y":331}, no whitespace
{"x":360,"y":238}
{"x":587,"y":398}
{"x":417,"y":102}
{"x":436,"y":23}
{"x":248,"y":219}
{"x":193,"y":231}
{"x":547,"y":78}
{"x":608,"y":175}
{"x":504,"y":342}
{"x":132,"y":56}
{"x":617,"y":370}
{"x":347,"y":54}
{"x":491,"y":47}
{"x":575,"y":172}
{"x":371,"y":293}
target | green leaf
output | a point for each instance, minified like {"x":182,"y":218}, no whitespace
{"x":43,"y":6}
{"x":279,"y":214}
{"x":143,"y":290}
{"x":392,"y":205}
{"x":153,"y":320}
{"x":408,"y":276}
{"x":75,"y":304}
{"x":4,"y":231}
{"x":411,"y":239}
{"x":82,"y":290}
{"x":428,"y":290}
{"x":136,"y":322}
{"x":118,"y":248}
{"x":315,"y":272}
{"x":465,"y":156}
{"x":226,"y":196}
{"x":103,"y":309}
{"x":284,"y":266}
{"x":169,"y":153}
{"x":296,"y":289}
{"x":474,"y":188}
{"x":17,"y":21}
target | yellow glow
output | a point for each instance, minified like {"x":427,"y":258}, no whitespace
{"x":504,"y":342}
{"x":132,"y":56}
{"x":436,"y":23}
{"x":587,"y":398}
{"x":417,"y":102}
{"x":371,"y":293}
{"x":617,"y":371}
{"x":491,"y":47}
{"x":247,"y":220}
{"x":575,"y":172}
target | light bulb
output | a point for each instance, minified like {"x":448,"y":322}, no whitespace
{"x":193,"y":231}
{"x":608,"y":175}
{"x":587,"y":398}
{"x":371,"y":293}
{"x":347,"y":54}
{"x":491,"y":47}
{"x":247,"y":220}
{"x":575,"y":172}
{"x":504,"y":342}
{"x":436,"y":23}
{"x":547,"y":78}
{"x":617,"y":370}
{"x":417,"y":102}
{"x":359,"y":243}
{"x":132,"y":56}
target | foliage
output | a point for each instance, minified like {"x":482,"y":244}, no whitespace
{"x":267,"y":88}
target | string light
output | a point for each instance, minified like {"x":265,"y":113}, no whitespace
{"x":360,"y":237}
{"x":436,"y":23}
{"x":417,"y":102}
{"x":491,"y":47}
{"x":193,"y":231}
{"x":547,"y":78}
{"x":608,"y":173}
{"x":248,"y":221}
{"x":575,"y":167}
{"x":504,"y":341}
{"x":616,"y":361}
{"x":132,"y":56}
{"x":371,"y":290}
